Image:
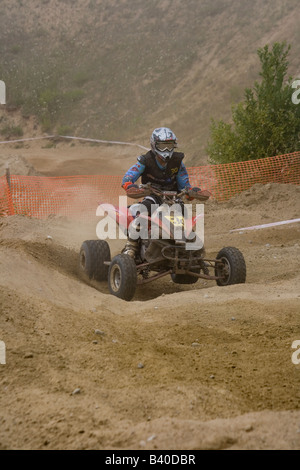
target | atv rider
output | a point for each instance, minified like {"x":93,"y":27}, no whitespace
{"x":161,"y":166}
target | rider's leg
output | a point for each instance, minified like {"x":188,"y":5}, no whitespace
{"x":132,"y":246}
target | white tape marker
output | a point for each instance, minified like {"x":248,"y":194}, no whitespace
{"x":73,"y":138}
{"x":26,"y":140}
{"x":273,"y":224}
{"x":103,"y":141}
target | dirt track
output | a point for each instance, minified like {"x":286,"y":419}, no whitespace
{"x":179,"y":367}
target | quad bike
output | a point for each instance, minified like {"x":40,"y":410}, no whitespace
{"x":165,"y":254}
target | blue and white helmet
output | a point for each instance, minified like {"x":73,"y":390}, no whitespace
{"x":163,"y":142}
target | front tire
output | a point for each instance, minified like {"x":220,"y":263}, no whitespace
{"x":233,"y":267}
{"x":122,"y":277}
{"x":93,"y":254}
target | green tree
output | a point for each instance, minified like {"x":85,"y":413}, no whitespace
{"x":267,"y":122}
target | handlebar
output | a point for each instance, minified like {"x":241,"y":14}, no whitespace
{"x":148,"y":188}
{"x":154,"y":189}
{"x":151,"y":188}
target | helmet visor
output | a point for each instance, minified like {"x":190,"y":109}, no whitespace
{"x":165,"y":146}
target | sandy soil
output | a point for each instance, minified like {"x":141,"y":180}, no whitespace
{"x":178,"y":367}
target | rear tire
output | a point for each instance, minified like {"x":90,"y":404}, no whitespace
{"x":122,"y":277}
{"x":233,"y":268}
{"x":92,"y":255}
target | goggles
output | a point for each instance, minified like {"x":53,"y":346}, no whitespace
{"x":164,"y":146}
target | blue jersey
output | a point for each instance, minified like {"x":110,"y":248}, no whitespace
{"x":134,"y":172}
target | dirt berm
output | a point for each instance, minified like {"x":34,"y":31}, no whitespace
{"x":179,"y":367}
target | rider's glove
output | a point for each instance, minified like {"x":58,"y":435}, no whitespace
{"x":133,"y":190}
{"x":192,"y":190}
{"x":132,"y":187}
{"x":129,"y":185}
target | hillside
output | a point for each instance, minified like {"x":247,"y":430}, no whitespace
{"x":115,"y":69}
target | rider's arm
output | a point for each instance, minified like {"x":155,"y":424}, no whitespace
{"x":133,"y":174}
{"x":183,"y":178}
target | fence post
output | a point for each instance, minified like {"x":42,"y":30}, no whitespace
{"x":11,"y":210}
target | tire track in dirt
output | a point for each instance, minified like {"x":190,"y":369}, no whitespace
{"x":195,"y":366}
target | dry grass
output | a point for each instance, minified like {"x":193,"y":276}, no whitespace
{"x":138,"y":64}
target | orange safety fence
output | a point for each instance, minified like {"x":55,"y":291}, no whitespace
{"x":79,"y":196}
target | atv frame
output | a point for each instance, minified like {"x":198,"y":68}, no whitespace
{"x":160,"y":257}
